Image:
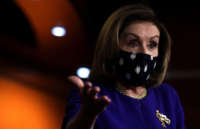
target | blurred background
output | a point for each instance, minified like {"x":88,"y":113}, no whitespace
{"x":44,"y":41}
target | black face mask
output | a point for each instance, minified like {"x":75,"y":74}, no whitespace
{"x":133,"y":69}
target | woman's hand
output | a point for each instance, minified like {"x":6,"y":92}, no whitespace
{"x":91,"y":103}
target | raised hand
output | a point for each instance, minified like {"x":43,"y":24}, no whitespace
{"x":91,"y":103}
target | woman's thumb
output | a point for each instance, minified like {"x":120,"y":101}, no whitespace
{"x":74,"y":80}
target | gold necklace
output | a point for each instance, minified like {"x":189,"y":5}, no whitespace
{"x":139,"y":97}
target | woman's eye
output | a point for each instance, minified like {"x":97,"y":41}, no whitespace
{"x":133,"y":42}
{"x":153,"y":44}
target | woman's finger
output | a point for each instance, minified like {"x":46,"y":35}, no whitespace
{"x":94,"y":92}
{"x":74,"y":80}
{"x":104,"y":100}
{"x":87,"y":88}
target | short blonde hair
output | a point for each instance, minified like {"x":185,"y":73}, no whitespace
{"x":107,"y":44}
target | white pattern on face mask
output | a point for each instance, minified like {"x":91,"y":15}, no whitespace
{"x":137,"y":70}
{"x":121,"y":61}
{"x":133,"y":56}
{"x":145,"y":68}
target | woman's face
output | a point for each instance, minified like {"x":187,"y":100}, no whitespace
{"x":140,"y":37}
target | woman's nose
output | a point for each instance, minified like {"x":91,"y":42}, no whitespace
{"x":143,"y":49}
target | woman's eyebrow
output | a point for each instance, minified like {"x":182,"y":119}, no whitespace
{"x":133,"y":34}
{"x":155,"y":36}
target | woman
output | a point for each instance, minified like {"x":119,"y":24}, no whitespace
{"x":125,"y":89}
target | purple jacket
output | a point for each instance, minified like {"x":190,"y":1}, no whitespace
{"x":160,"y":109}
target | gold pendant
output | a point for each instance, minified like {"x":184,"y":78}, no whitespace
{"x":163,"y":119}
